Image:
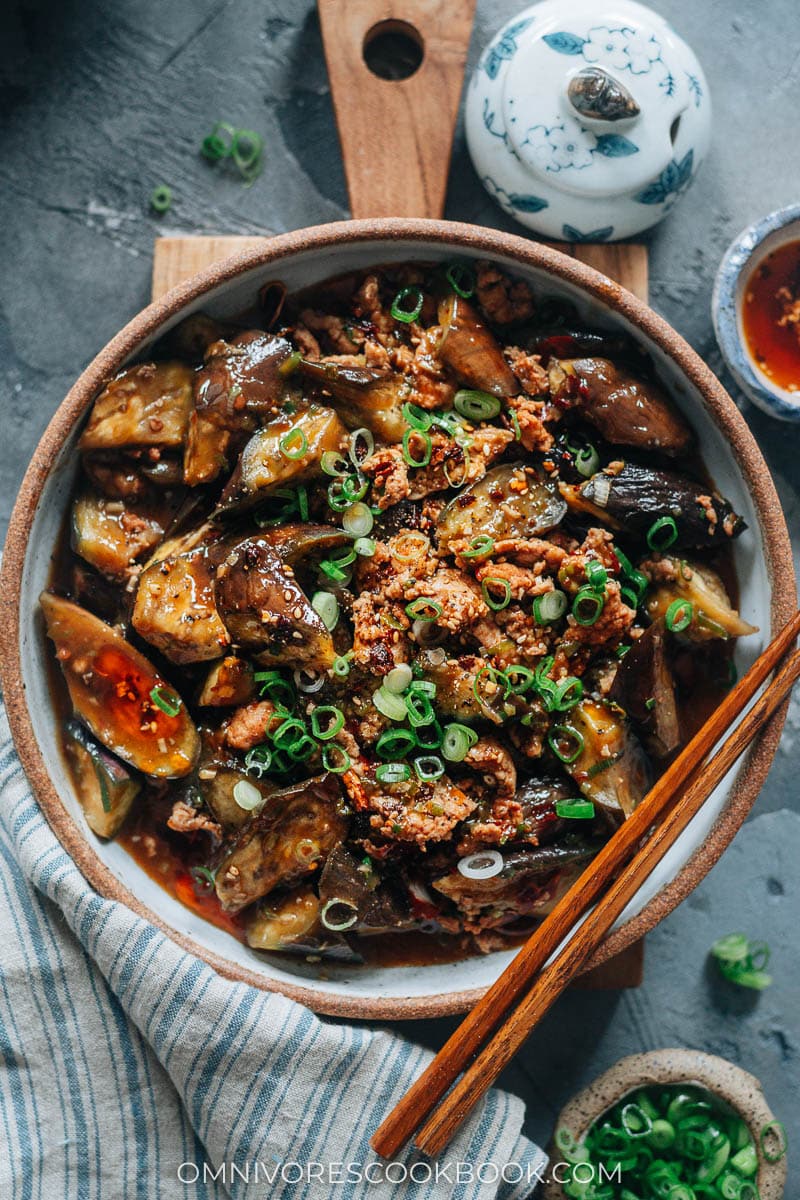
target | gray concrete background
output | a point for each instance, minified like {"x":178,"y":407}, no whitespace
{"x":101,"y":100}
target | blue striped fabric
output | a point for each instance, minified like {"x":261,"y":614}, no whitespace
{"x":129,"y":1068}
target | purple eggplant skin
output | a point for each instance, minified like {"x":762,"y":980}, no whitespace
{"x":537,"y":798}
{"x":356,"y":885}
{"x":361,"y":396}
{"x":638,"y":496}
{"x":471,"y":351}
{"x":291,"y":924}
{"x":292,"y":834}
{"x":644,"y":687}
{"x":628,"y":411}
{"x":522,"y":869}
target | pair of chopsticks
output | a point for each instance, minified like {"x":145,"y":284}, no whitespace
{"x":531,"y":984}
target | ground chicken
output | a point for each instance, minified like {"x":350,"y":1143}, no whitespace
{"x":523,"y":581}
{"x":388,"y":471}
{"x":184,"y":818}
{"x":530,"y":415}
{"x":661,"y":570}
{"x":503,"y":301}
{"x":368,"y":305}
{"x":611,"y":626}
{"x":413,"y":811}
{"x":495,"y":764}
{"x":248,"y":726}
{"x":459,"y":598}
{"x":306,"y":343}
{"x":430,"y":387}
{"x":528,"y":370}
{"x":449,"y":462}
{"x":377,"y":644}
{"x":337,"y":333}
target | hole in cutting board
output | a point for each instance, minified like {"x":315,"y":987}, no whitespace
{"x":393,"y":50}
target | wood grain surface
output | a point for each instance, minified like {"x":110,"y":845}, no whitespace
{"x":177,"y":258}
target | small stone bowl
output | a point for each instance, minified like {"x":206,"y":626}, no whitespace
{"x":741,"y":258}
{"x":724,"y":1080}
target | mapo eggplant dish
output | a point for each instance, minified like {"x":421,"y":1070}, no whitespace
{"x":382,"y":606}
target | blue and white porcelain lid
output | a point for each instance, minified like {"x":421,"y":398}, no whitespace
{"x":594,"y":94}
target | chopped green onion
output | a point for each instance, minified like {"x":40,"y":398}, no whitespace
{"x":679,"y":616}
{"x":464,"y":464}
{"x":416,"y":417}
{"x":247,"y":795}
{"x":365,"y":547}
{"x":289,"y":733}
{"x":335,"y":721}
{"x":354,"y":487}
{"x":258,"y":760}
{"x":346,"y":918}
{"x":393,"y":772}
{"x":389,"y":704}
{"x":461,"y":279}
{"x":587,"y":461}
{"x":549,"y":607}
{"x":596,"y":575}
{"x":326,"y":606}
{"x":424,"y":608}
{"x":407,"y":305}
{"x":302,"y":503}
{"x":425,"y":437}
{"x":203,"y":876}
{"x":169,"y":702}
{"x":561,"y":734}
{"x":333,"y":463}
{"x":631,"y":598}
{"x":290,"y":364}
{"x":419,"y":709}
{"x":214,"y":147}
{"x":661,"y":1135}
{"x":662,"y":533}
{"x":495,"y":581}
{"x":521,"y":679}
{"x":634,"y":1120}
{"x":514,"y":419}
{"x":341,"y":665}
{"x":423,"y":685}
{"x":361,"y":435}
{"x":358,"y":520}
{"x":395,"y":743}
{"x":398,"y":678}
{"x":575,"y":810}
{"x":276,"y":689}
{"x":336,"y":759}
{"x":567,"y":694}
{"x":479,"y":547}
{"x":293,"y":444}
{"x":429,"y":767}
{"x":493,"y":677}
{"x":414,"y":538}
{"x":161,"y":199}
{"x":457,"y":741}
{"x":246,"y":153}
{"x":742,"y":962}
{"x":429,"y":736}
{"x":475,"y":405}
{"x":587,"y":606}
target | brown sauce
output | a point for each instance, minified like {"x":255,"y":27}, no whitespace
{"x":771,"y":316}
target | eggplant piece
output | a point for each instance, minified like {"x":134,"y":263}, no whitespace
{"x":218,"y":794}
{"x":292,"y":924}
{"x":191,"y":338}
{"x":362,"y":396}
{"x":175,"y":608}
{"x":713,"y":615}
{"x":239,"y":385}
{"x":112,"y":687}
{"x":637,"y":496}
{"x":627,"y":411}
{"x":229,"y":681}
{"x":518,"y":888}
{"x":471,"y":351}
{"x":105,"y":787}
{"x":263,"y":466}
{"x":111,"y":535}
{"x":612,"y":769}
{"x":643,"y":686}
{"x":295,"y":542}
{"x":537,"y":797}
{"x":146,"y":405}
{"x":295,"y":831}
{"x":493,"y":506}
{"x":352,"y":888}
{"x":266,"y":611}
{"x":455,"y":687}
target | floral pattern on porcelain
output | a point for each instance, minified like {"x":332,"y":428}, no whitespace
{"x":554,"y":169}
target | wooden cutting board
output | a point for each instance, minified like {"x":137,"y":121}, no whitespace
{"x":176,"y":258}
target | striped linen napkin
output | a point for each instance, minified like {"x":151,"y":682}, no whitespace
{"x":129,"y":1068}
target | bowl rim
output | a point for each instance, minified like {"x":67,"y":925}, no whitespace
{"x":487,"y":242}
{"x":725,"y":306}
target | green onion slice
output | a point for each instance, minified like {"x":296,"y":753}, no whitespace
{"x":389,"y":704}
{"x":521,"y":679}
{"x":416,"y":417}
{"x":326,"y":606}
{"x":365,"y":547}
{"x":479,"y":547}
{"x":567,"y":694}
{"x":587,"y":606}
{"x":341,"y":665}
{"x":358,"y":520}
{"x":549,"y":607}
{"x":662,"y":533}
{"x":494,"y":581}
{"x":407,"y":305}
{"x":429,"y":767}
{"x":427,"y":445}
{"x":565,"y":742}
{"x":333,"y":463}
{"x":457,"y":741}
{"x":276,"y":689}
{"x":161,"y":198}
{"x":575,"y":810}
{"x":338,"y":914}
{"x":336,"y":759}
{"x":461,"y":279}
{"x":361,"y":439}
{"x":596,"y":575}
{"x":475,"y":405}
{"x":424,"y":608}
{"x":393,"y":772}
{"x":326,"y":721}
{"x":293,"y":444}
{"x":494,"y":680}
{"x":419,"y":709}
{"x":587,"y":461}
{"x":168,"y":701}
{"x":395,"y":743}
{"x":398,"y":678}
{"x":679,"y":616}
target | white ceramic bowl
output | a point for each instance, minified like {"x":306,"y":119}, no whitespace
{"x":762,"y":555}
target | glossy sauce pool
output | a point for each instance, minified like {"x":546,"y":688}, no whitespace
{"x":771,"y":316}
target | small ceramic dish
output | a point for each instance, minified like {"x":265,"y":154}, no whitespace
{"x":729,"y":1083}
{"x":741,"y":259}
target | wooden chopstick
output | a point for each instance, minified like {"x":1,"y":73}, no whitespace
{"x":440,"y":1127}
{"x":426,"y":1091}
